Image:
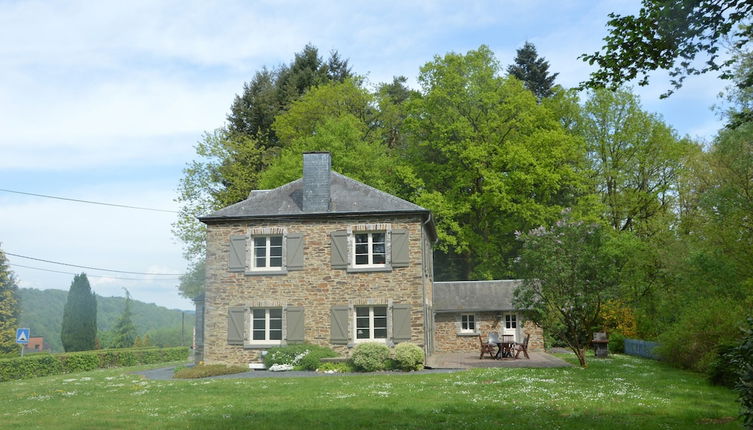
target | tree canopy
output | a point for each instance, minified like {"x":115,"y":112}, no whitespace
{"x":79,"y":328}
{"x":671,"y":35}
{"x":533,"y":71}
{"x":9,"y":307}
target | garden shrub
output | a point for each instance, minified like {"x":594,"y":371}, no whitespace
{"x":300,"y":357}
{"x":691,"y":342}
{"x":722,"y":369}
{"x":341,"y":367}
{"x":206,"y":370}
{"x":742,"y":358}
{"x":53,"y":364}
{"x":616,"y":343}
{"x":370,"y":357}
{"x":409,"y":357}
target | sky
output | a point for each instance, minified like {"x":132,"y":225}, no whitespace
{"x":104,"y":101}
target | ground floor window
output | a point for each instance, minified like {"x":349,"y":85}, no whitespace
{"x":371,"y":322}
{"x":511,"y":321}
{"x":266,"y":325}
{"x":467,"y":323}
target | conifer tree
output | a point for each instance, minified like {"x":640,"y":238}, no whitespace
{"x":533,"y":71}
{"x":124,"y":332}
{"x":79,"y":328}
{"x":9,"y":307}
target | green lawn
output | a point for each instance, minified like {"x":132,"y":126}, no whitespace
{"x":622,"y":392}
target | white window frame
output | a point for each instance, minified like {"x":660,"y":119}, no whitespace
{"x":469,"y":325}
{"x":268,"y":255}
{"x":370,"y":247}
{"x":511,"y":321}
{"x":267,"y":328}
{"x":371,"y":327}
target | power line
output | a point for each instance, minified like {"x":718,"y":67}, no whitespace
{"x":88,"y":201}
{"x":93,"y":268}
{"x":91,"y":276}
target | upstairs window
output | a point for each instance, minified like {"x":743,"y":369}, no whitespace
{"x":369,"y":249}
{"x":266,"y":253}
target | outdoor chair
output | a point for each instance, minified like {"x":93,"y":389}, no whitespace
{"x":486,"y":347}
{"x":508,"y":342}
{"x":523,"y":346}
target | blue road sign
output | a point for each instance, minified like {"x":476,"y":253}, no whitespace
{"x":22,"y":335}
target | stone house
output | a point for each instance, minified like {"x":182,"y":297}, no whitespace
{"x":325,"y":260}
{"x":464,"y":310}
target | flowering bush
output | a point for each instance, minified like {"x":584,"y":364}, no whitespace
{"x":370,"y":357}
{"x":409,"y":357}
{"x":299,"y":357}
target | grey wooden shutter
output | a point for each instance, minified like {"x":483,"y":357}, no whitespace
{"x":295,"y":328}
{"x":399,"y":244}
{"x":236,"y":321}
{"x":339,"y":249}
{"x":401,"y":326}
{"x":339,"y":328}
{"x":237,"y":257}
{"x":294,"y":251}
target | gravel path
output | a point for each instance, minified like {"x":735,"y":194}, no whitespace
{"x":166,"y":373}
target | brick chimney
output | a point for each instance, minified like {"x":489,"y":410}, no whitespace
{"x":316,"y":167}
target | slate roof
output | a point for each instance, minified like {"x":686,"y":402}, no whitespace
{"x":347,"y":196}
{"x":474,"y":296}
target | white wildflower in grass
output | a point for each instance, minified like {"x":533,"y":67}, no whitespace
{"x":86,"y":378}
{"x":69,"y":380}
{"x":39,"y":397}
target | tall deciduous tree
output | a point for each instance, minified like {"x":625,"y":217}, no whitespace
{"x":636,"y":159}
{"x":124,"y":332}
{"x":9,"y":307}
{"x":533,"y":71}
{"x":79,"y":328}
{"x":491,"y":161}
{"x":670,"y":35}
{"x":568,"y":273}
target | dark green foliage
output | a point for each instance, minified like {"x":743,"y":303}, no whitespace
{"x":742,"y":358}
{"x":301,"y":356}
{"x":722,"y":369}
{"x":370,"y":356}
{"x":533,"y":71}
{"x":9,"y":308}
{"x":670,"y":35}
{"x":124,"y":332}
{"x":204,"y":371}
{"x":691,"y":342}
{"x":79,"y":328}
{"x":616,"y":343}
{"x":53,"y":364}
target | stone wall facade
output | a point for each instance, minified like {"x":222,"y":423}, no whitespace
{"x":448,"y":336}
{"x":316,"y":288}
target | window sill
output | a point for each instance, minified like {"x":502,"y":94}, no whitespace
{"x":356,"y":269}
{"x":265,"y":272}
{"x":468,"y":334}
{"x":265,"y":345}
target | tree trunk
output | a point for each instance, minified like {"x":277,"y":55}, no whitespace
{"x":581,"y":354}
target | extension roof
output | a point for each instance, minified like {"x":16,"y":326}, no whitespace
{"x":475,"y":296}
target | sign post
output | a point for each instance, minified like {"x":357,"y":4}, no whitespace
{"x":22,"y":338}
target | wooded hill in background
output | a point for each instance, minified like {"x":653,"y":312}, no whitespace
{"x":42,"y":312}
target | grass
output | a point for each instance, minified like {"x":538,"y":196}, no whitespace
{"x":622,"y":392}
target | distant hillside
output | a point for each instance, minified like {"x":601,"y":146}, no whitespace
{"x":42,"y":312}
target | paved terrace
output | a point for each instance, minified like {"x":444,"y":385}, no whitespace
{"x":469,"y":360}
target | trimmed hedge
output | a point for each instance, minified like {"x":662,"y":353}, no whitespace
{"x":53,"y":364}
